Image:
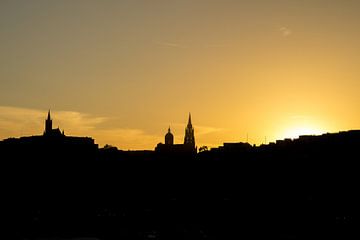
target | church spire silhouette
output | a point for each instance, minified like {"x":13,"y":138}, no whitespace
{"x":189,"y":134}
{"x":49,"y":117}
{"x":189,"y":121}
{"x":49,"y":131}
{"x":48,"y":124}
{"x":189,"y":142}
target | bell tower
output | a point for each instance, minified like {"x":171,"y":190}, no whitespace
{"x":189,"y":139}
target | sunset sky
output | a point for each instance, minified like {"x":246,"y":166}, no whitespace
{"x":123,"y":71}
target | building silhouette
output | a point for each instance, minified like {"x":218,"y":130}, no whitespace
{"x":169,"y":138}
{"x":189,"y":138}
{"x":292,"y":189}
{"x":187,"y":148}
{"x":53,"y":141}
{"x":49,"y":131}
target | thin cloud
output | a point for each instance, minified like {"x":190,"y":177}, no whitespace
{"x":25,"y":121}
{"x":285,"y":31}
{"x":170,"y":45}
{"x":202,"y":134}
{"x":125,"y":139}
{"x":77,"y":122}
{"x":17,"y":122}
{"x":219,"y":45}
{"x":200,"y":130}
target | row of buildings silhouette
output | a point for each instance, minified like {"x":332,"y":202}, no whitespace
{"x":55,"y":135}
{"x":67,"y":186}
{"x":54,"y":138}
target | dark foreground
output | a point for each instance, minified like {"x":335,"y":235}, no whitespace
{"x":302,"y":193}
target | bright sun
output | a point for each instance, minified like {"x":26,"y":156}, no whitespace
{"x":295,"y":132}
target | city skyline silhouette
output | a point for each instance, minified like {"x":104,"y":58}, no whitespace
{"x":169,"y":137}
{"x":64,"y":187}
{"x":180,"y":120}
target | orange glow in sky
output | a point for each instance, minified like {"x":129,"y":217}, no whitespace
{"x":123,"y":71}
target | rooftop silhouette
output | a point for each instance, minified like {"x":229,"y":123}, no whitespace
{"x":188,"y":148}
{"x":61,"y":186}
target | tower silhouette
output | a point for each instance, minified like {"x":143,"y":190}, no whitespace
{"x":49,"y":131}
{"x":189,"y":138}
{"x":188,"y":148}
{"x":48,"y":124}
{"x":169,"y":138}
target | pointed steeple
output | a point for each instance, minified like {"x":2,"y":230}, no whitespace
{"x":189,"y":138}
{"x":48,"y":124}
{"x":169,"y":130}
{"x":189,"y":122}
{"x":49,"y":117}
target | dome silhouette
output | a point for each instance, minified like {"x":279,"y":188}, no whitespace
{"x":169,"y":138}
